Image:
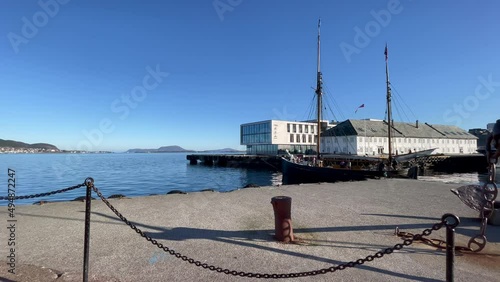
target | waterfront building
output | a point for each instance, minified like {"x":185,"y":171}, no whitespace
{"x":355,"y":137}
{"x":370,"y":137}
{"x":271,"y":137}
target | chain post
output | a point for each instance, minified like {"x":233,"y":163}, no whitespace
{"x":89,"y":182}
{"x":451,"y":221}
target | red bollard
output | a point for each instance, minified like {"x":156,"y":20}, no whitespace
{"x":282,"y":206}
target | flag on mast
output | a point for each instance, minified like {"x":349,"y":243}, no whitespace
{"x":385,"y":52}
{"x":362,"y":106}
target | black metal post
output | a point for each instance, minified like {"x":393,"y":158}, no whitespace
{"x":86,"y":244}
{"x":451,"y":221}
{"x":450,"y":253}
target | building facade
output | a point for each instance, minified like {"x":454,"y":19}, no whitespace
{"x":370,"y":137}
{"x":273,"y":137}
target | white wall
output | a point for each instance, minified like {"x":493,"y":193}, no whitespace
{"x":283,"y":136}
{"x":361,"y":145}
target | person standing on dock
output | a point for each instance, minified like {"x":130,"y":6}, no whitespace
{"x":493,"y":136}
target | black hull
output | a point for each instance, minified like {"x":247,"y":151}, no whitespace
{"x":296,"y":173}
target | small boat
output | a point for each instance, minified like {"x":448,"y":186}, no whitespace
{"x":313,"y":172}
{"x":410,"y":156}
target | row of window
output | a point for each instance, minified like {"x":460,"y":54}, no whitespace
{"x":280,"y":149}
{"x":302,"y":128}
{"x":418,"y":140}
{"x":256,"y":138}
{"x":262,"y":149}
{"x":256,"y":128}
{"x":302,"y":138}
{"x":404,"y":150}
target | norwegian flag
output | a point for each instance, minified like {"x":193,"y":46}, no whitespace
{"x":362,"y":106}
{"x":385,"y":52}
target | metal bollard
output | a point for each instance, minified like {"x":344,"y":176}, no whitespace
{"x":494,"y":218}
{"x":86,"y":243}
{"x":451,"y":221}
{"x":282,"y":206}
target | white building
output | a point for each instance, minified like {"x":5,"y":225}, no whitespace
{"x":275,"y":136}
{"x":370,"y":137}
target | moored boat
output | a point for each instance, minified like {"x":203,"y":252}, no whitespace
{"x":311,"y":172}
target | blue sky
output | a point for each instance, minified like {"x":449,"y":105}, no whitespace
{"x":114,"y":75}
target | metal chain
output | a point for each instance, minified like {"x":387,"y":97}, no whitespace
{"x":43,"y":194}
{"x":490,"y":193}
{"x":438,"y":243}
{"x":342,"y":266}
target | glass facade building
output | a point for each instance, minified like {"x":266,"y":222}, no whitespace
{"x":272,"y":137}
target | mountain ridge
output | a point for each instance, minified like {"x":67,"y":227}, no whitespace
{"x":20,"y":145}
{"x":178,"y":149}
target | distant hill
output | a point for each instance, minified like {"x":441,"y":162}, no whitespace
{"x":17,"y":144}
{"x":164,"y":149}
{"x":225,"y":150}
{"x":172,"y":149}
{"x":178,"y":149}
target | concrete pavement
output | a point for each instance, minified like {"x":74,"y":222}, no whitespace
{"x":335,"y":222}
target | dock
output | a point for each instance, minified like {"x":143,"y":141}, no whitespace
{"x":336,"y":223}
{"x":440,"y":163}
{"x":272,"y":162}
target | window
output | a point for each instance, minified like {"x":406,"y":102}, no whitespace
{"x":312,"y":128}
{"x":291,"y":138}
{"x":310,"y":139}
{"x":297,"y":138}
{"x":306,"y":127}
{"x":294,"y":128}
{"x":303,"y":138}
{"x":300,"y":128}
{"x":287,"y":127}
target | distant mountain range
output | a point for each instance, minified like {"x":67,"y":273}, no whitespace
{"x":165,"y":149}
{"x":17,"y":144}
{"x":178,"y":149}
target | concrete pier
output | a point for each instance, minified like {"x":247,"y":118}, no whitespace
{"x":440,"y":163}
{"x":247,"y":161}
{"x":333,"y":223}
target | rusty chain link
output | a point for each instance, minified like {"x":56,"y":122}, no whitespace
{"x":387,"y":251}
{"x":437,"y":243}
{"x":43,"y":194}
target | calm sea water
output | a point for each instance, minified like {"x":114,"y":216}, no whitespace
{"x":141,"y":175}
{"x":128,"y":174}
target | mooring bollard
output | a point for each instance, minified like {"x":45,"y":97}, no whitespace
{"x":451,"y":221}
{"x":494,"y":218}
{"x":282,"y":206}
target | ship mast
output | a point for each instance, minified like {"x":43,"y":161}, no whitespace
{"x":319,"y":92}
{"x":389,"y":118}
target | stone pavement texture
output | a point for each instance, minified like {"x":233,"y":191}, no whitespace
{"x":335,"y":222}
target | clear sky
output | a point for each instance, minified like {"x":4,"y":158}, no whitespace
{"x":117,"y":74}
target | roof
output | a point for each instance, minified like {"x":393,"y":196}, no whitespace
{"x":378,"y":128}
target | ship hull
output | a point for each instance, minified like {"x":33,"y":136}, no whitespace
{"x":294,"y":173}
